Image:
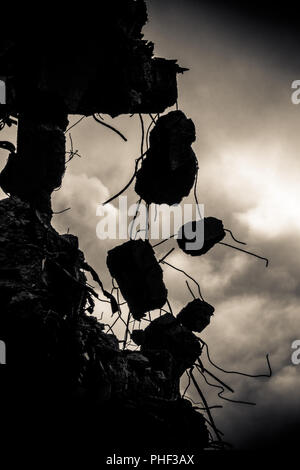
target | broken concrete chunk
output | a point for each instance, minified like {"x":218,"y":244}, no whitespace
{"x":114,"y":76}
{"x":197,"y":237}
{"x":196,"y":315}
{"x":165,"y":332}
{"x":168,"y":172}
{"x":139,"y":276}
{"x":137,"y":337}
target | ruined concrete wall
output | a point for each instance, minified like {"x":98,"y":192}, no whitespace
{"x":64,"y":373}
{"x":60,"y":361}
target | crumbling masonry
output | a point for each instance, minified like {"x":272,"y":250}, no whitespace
{"x":65,"y":375}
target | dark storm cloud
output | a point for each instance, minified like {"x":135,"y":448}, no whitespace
{"x":280,"y":16}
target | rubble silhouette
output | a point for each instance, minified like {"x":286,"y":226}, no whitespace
{"x":68,"y":376}
{"x":168,"y":172}
{"x":210,"y":231}
{"x":139,"y":276}
{"x":166,"y":333}
{"x":213,"y":232}
{"x":196,"y":315}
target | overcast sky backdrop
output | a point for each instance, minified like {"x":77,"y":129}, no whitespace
{"x":238,"y":93}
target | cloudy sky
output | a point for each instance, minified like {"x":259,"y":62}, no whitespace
{"x":238,"y":93}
